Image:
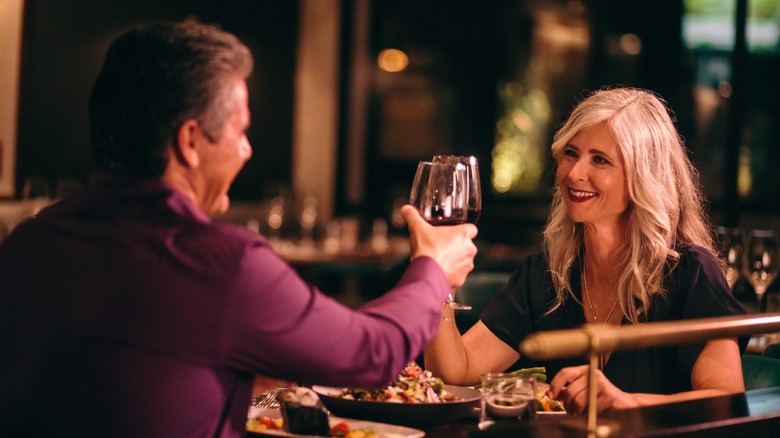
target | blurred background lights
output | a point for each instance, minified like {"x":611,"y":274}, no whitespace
{"x":724,"y":89}
{"x":630,"y":44}
{"x":392,"y":60}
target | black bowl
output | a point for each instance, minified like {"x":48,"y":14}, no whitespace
{"x":419,"y":415}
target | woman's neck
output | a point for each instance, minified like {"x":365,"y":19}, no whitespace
{"x":602,"y":247}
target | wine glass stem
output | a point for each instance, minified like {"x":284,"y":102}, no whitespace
{"x":454,"y":305}
{"x":761,"y":299}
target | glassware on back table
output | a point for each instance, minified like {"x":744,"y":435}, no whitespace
{"x":760,"y":262}
{"x":37,"y":193}
{"x":308,"y":220}
{"x":730,"y":250}
{"x":440,"y":194}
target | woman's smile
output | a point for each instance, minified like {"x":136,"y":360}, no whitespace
{"x":580,"y":195}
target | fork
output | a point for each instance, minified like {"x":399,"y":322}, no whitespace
{"x":267,"y":399}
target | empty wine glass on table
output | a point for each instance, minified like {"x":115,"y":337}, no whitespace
{"x":730,"y":249}
{"x":440,"y":193}
{"x":760,"y":264}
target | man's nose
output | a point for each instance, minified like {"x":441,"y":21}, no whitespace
{"x":246,"y":150}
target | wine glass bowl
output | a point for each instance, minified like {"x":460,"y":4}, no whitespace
{"x":730,"y":250}
{"x":473,"y":182}
{"x":440,"y":194}
{"x":760,"y":264}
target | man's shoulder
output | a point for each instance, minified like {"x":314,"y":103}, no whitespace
{"x":222,"y":237}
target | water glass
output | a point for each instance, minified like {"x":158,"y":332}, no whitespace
{"x":506,"y":398}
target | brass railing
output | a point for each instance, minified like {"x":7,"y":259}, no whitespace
{"x":594,"y":340}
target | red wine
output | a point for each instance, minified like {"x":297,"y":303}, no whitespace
{"x":456,"y":218}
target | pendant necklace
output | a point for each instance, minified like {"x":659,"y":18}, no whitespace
{"x":593,"y":311}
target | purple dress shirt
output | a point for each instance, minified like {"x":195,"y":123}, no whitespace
{"x":125,"y":311}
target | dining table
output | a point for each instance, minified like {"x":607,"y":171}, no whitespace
{"x":755,"y":413}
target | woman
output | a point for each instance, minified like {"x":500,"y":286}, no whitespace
{"x":627,"y":242}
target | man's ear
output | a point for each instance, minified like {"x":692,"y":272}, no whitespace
{"x":186,"y":147}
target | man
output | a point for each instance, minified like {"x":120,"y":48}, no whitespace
{"x":125,"y":311}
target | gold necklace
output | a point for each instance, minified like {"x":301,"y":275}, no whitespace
{"x":590,"y":304}
{"x":602,"y":361}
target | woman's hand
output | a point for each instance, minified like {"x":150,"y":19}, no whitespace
{"x":717,"y":371}
{"x":570,"y":386}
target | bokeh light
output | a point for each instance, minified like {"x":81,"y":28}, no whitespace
{"x":392,"y":60}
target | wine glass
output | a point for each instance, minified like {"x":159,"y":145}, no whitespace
{"x":308,"y":220}
{"x":473,"y":182}
{"x":730,"y":250}
{"x":37,"y":193}
{"x":760,"y":262}
{"x":440,"y":195}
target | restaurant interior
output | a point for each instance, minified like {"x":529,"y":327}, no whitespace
{"x":347,"y":96}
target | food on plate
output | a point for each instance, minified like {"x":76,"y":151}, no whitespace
{"x":303,"y":412}
{"x":340,"y":429}
{"x":263,"y":423}
{"x":543,"y":401}
{"x":413,"y":385}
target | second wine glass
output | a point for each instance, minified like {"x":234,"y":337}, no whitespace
{"x":440,"y":194}
{"x":730,"y":249}
{"x":760,"y":264}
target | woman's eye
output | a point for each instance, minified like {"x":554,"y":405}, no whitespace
{"x":600,"y":160}
{"x":569,"y":153}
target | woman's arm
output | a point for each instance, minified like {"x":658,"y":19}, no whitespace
{"x":461,"y":360}
{"x":717,"y":371}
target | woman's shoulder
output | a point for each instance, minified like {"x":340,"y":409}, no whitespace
{"x":535,"y":262}
{"x":534,"y":269}
{"x":538,"y":258}
{"x":692,"y":256}
{"x":700,"y":285}
{"x":697,"y":265}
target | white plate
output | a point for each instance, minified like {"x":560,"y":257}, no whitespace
{"x":551,"y":412}
{"x":382,"y":430}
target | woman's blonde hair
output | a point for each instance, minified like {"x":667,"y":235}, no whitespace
{"x":666,"y":206}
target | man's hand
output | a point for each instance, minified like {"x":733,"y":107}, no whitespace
{"x":451,"y":246}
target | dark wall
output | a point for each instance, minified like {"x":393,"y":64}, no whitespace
{"x":63,"y":46}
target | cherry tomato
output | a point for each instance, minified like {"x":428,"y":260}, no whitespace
{"x":339,"y":429}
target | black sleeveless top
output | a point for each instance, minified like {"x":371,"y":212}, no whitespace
{"x":696,"y":288}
